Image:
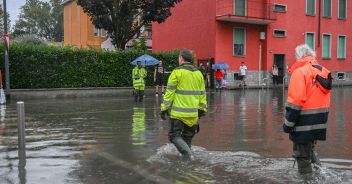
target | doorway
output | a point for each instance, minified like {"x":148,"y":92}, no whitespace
{"x":279,"y":60}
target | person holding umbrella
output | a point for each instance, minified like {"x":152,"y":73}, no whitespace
{"x":138,"y":76}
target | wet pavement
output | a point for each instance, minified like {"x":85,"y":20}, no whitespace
{"x":114,"y":140}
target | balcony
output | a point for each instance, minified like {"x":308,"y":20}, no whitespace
{"x":245,"y":11}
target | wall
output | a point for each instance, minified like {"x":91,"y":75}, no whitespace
{"x":192,"y":26}
{"x":297,"y":24}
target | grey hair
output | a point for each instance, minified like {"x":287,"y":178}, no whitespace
{"x":303,"y":51}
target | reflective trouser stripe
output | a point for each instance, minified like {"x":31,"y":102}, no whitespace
{"x":310,"y":127}
{"x":187,"y":92}
{"x":179,"y":109}
{"x":203,"y":106}
{"x":289,"y":124}
{"x":314,"y":111}
{"x":168,"y":103}
{"x":293,"y":106}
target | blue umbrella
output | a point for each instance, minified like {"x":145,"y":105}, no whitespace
{"x":145,"y":60}
{"x":220,"y":66}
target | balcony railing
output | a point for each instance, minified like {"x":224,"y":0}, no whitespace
{"x":246,"y":11}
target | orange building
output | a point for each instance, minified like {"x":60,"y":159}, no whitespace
{"x":80,"y":32}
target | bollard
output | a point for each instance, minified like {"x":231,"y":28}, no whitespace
{"x":21,"y":133}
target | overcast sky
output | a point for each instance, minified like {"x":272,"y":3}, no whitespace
{"x":13,"y":7}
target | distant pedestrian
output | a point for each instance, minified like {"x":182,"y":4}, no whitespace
{"x":203,"y":70}
{"x":184,"y":101}
{"x":224,"y":79}
{"x":218,"y":77}
{"x":138,"y":76}
{"x":275,"y":73}
{"x":243,"y":74}
{"x":159,"y":74}
{"x":307,"y":107}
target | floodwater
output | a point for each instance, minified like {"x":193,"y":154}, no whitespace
{"x":114,"y":140}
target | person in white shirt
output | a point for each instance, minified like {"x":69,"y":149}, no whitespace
{"x":275,"y":73}
{"x":243,"y":73}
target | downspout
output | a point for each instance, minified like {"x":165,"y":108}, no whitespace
{"x":260,"y":63}
{"x":319,"y":23}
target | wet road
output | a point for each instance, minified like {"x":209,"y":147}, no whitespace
{"x":113,"y":140}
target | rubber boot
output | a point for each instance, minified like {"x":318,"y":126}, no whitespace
{"x":183,"y":148}
{"x":304,"y":166}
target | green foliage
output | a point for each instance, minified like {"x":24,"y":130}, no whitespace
{"x":124,"y":19}
{"x":29,"y":39}
{"x":44,"y":19}
{"x":2,"y":25}
{"x":66,"y":67}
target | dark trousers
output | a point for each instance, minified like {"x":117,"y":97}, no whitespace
{"x":138,"y":94}
{"x":181,"y":136}
{"x":275,"y":78}
{"x":305,"y":155}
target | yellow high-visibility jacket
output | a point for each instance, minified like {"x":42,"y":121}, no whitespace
{"x":138,"y":75}
{"x":185,"y":94}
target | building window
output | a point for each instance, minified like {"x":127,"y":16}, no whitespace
{"x":240,"y":7}
{"x":327,"y":8}
{"x":104,"y":33}
{"x":326,"y":49}
{"x":310,"y":40}
{"x":280,"y":8}
{"x":279,"y":33}
{"x":342,"y":9}
{"x":341,"y":47}
{"x":310,"y":7}
{"x":239,"y":42}
{"x":95,"y":31}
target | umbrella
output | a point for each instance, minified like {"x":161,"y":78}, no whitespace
{"x":145,"y":60}
{"x":220,"y":66}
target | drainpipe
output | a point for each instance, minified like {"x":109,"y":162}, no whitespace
{"x":319,"y":23}
{"x":260,"y":64}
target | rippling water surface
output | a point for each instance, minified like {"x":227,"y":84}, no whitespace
{"x":113,"y":140}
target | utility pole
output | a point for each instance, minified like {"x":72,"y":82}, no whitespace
{"x":6,"y":53}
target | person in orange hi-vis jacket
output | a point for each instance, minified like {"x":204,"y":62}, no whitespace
{"x":307,"y":107}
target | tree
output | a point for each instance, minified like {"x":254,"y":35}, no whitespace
{"x":44,"y":19}
{"x":2,"y":21}
{"x":123,"y":19}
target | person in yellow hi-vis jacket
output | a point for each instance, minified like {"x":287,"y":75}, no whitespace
{"x":184,"y":102}
{"x":138,"y":76}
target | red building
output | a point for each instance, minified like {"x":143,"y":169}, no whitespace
{"x":260,"y":33}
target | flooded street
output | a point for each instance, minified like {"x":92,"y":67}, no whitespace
{"x":114,"y":140}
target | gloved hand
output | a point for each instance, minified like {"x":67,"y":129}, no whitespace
{"x":201,"y":113}
{"x":287,"y":129}
{"x":163,"y":114}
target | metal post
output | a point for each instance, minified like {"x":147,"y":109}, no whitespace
{"x":6,"y":54}
{"x":21,"y":133}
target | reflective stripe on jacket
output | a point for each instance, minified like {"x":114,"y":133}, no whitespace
{"x":308,"y":101}
{"x":185,"y":94}
{"x":138,"y":75}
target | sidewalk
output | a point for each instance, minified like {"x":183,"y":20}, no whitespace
{"x":21,"y":94}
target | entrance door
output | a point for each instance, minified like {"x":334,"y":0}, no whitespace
{"x":279,"y":60}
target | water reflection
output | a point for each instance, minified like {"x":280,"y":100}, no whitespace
{"x":241,"y":141}
{"x":138,"y":126}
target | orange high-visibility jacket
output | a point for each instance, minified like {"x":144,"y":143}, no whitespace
{"x":308,"y":101}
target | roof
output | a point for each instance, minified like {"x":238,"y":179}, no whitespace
{"x":66,"y":2}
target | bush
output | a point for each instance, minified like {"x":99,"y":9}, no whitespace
{"x":29,"y":39}
{"x":66,"y":67}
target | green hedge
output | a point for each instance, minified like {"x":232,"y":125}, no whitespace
{"x":66,"y":67}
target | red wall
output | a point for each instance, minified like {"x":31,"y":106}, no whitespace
{"x":192,"y":26}
{"x":224,"y":45}
{"x":297,"y":24}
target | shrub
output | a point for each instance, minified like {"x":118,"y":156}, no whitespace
{"x":66,"y":67}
